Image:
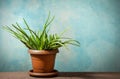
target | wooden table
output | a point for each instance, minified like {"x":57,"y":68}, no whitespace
{"x":63,"y":75}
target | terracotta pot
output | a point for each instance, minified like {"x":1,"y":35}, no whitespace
{"x":43,"y":60}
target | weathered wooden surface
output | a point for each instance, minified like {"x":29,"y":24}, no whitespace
{"x":62,"y":75}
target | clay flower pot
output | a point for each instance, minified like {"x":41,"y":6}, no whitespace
{"x":43,"y":60}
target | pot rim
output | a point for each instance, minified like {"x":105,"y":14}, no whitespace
{"x":43,"y":52}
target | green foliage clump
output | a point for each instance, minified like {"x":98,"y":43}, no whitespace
{"x":39,"y":40}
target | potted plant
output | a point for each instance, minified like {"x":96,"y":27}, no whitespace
{"x":42,"y":46}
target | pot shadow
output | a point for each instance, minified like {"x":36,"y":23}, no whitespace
{"x":91,"y":75}
{"x":86,"y":75}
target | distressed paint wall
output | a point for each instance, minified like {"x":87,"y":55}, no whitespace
{"x":95,"y":23}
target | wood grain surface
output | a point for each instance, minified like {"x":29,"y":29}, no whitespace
{"x":63,"y":75}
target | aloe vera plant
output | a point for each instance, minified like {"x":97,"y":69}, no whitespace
{"x":41,"y":39}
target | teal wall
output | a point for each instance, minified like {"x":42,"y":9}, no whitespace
{"x":95,"y":23}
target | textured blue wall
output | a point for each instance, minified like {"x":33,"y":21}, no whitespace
{"x":95,"y":23}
